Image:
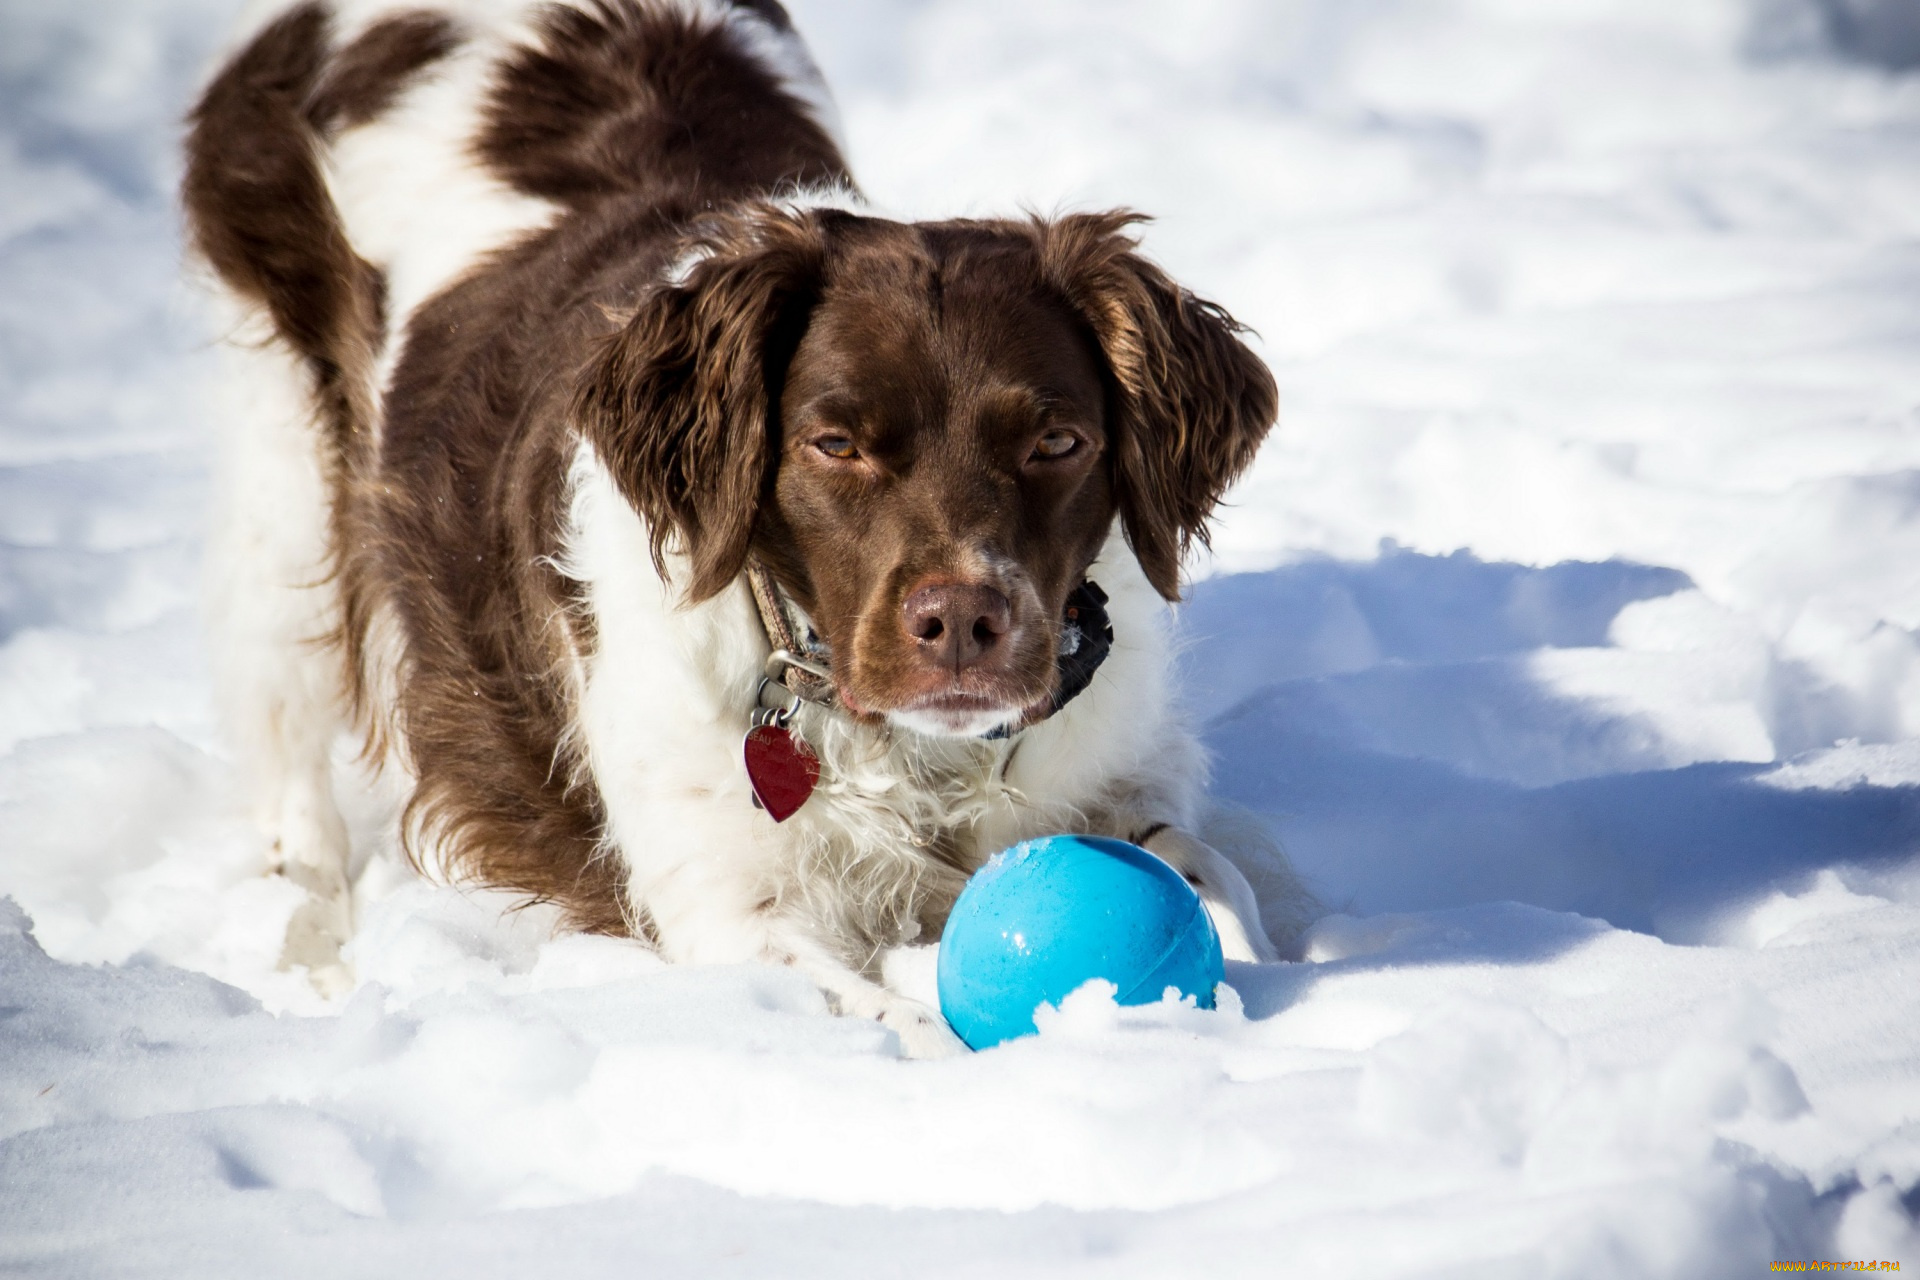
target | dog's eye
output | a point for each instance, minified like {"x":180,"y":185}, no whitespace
{"x":1056,"y":444}
{"x":837,"y":447}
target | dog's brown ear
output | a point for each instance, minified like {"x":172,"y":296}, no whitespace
{"x":1194,"y":402}
{"x":680,"y":403}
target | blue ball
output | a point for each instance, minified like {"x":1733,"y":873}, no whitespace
{"x":1047,"y":915}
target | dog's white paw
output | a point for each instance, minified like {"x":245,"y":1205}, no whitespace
{"x":1223,"y":890}
{"x":319,"y":928}
{"x":1236,"y":942}
{"x":923,"y":1033}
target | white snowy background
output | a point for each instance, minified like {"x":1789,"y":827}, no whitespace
{"x":1565,"y":633}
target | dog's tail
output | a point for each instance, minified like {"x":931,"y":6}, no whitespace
{"x":259,"y":211}
{"x":257,"y":204}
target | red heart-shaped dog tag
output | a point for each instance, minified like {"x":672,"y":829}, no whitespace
{"x":781,"y":770}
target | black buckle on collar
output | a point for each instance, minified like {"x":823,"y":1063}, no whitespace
{"x":1086,"y":638}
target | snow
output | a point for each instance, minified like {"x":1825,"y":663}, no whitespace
{"x":1565,"y":633}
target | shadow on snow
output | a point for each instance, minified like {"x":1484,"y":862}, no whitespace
{"x":1383,"y":718}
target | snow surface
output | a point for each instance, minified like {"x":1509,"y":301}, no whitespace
{"x":1565,"y":633}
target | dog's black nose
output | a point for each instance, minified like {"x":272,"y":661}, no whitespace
{"x":957,"y":625}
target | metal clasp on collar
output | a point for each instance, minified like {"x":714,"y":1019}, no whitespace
{"x":774,"y":704}
{"x":817,"y":684}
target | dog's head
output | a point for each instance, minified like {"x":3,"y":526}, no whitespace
{"x":925,"y":431}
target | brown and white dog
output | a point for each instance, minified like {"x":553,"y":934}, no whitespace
{"x":572,"y":376}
